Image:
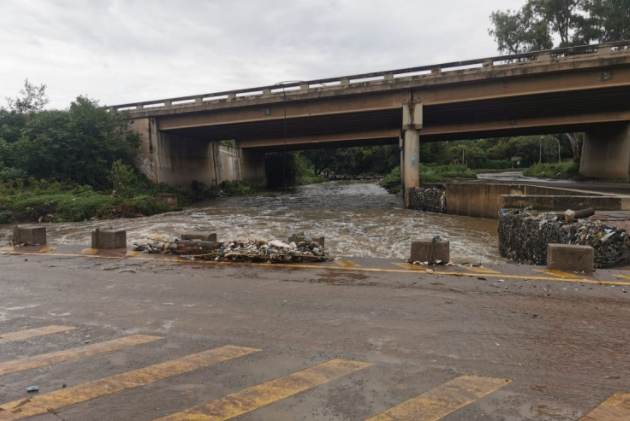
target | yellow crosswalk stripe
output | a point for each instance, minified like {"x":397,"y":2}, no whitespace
{"x":443,"y":400}
{"x":44,"y":360}
{"x":31,"y":333}
{"x":409,"y":266}
{"x":267,"y":393}
{"x":559,"y":273}
{"x":479,"y":269}
{"x":616,"y":408}
{"x":347,"y":263}
{"x":84,"y":392}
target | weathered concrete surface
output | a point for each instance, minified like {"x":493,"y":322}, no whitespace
{"x":548,"y":203}
{"x":29,"y":235}
{"x":562,"y":343}
{"x":109,"y":239}
{"x":571,"y":258}
{"x":606,"y":151}
{"x":430,"y":251}
{"x":203,"y":236}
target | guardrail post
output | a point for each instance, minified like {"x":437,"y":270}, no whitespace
{"x":604,"y":50}
{"x":168,"y":103}
{"x":304,"y":87}
{"x":488,"y":63}
{"x":389,"y":77}
{"x":436,"y":71}
{"x":544,"y":57}
{"x":231,"y":97}
{"x":344,"y":81}
{"x":198,"y":100}
{"x":267,"y":91}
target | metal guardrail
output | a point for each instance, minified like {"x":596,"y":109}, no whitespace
{"x":336,"y":82}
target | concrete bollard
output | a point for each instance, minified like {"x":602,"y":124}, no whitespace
{"x":430,"y":251}
{"x":296,"y":238}
{"x":571,"y":258}
{"x":109,"y":239}
{"x":29,"y":235}
{"x":200,"y":236}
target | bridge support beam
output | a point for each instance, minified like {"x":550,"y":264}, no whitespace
{"x":606,"y":151}
{"x":410,"y":162}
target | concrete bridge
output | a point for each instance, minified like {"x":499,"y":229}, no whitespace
{"x":580,"y":89}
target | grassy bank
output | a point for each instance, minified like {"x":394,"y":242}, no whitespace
{"x":564,"y":171}
{"x":42,"y":201}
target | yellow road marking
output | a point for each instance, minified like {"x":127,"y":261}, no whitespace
{"x":267,"y":393}
{"x":84,"y":392}
{"x":622,"y":276}
{"x":409,"y":266}
{"x":357,"y":269}
{"x":559,"y":273}
{"x":443,"y":400}
{"x":7,"y":249}
{"x":616,"y":408}
{"x":44,"y":360}
{"x":131,"y":253}
{"x":89,"y":251}
{"x":347,"y":263}
{"x":47,"y":249}
{"x":31,"y":333}
{"x":479,"y":269}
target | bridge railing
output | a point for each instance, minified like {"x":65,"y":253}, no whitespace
{"x":378,"y":77}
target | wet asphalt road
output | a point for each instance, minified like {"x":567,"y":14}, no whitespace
{"x":558,"y":349}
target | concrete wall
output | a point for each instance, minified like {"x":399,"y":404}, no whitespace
{"x":559,"y":203}
{"x":606,"y":151}
{"x":178,"y":161}
{"x":485,"y":200}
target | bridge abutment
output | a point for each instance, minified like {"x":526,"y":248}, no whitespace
{"x":606,"y":151}
{"x":178,"y":160}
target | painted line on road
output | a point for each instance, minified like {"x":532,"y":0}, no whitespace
{"x":409,"y":266}
{"x":267,"y":393}
{"x":347,"y":263}
{"x":32,"y":333}
{"x":479,"y":269}
{"x":616,"y":408}
{"x":307,"y":266}
{"x":442,"y":400}
{"x":89,"y":251}
{"x":42,"y":404}
{"x":558,"y":273}
{"x":47,"y":249}
{"x":44,"y":360}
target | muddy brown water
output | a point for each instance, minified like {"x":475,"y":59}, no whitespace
{"x":357,"y":218}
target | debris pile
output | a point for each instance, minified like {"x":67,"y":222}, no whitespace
{"x":246,"y":250}
{"x":428,"y":199}
{"x":525,"y":234}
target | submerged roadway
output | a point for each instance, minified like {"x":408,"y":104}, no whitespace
{"x":124,"y":336}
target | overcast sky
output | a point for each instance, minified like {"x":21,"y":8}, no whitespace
{"x":121,"y":51}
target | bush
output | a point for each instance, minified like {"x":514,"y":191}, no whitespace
{"x":237,"y":187}
{"x":569,"y":170}
{"x":10,"y":173}
{"x":392,"y":181}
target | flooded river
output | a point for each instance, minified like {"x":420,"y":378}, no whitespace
{"x":357,"y":219}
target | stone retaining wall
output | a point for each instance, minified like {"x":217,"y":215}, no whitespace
{"x":428,"y":199}
{"x":525,"y":235}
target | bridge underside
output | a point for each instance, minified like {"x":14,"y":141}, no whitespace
{"x":572,"y":111}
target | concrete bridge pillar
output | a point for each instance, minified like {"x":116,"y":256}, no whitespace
{"x":606,"y":151}
{"x":410,"y":163}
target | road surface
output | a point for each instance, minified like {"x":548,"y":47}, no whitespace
{"x":107,"y":337}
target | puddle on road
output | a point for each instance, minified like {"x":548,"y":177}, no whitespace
{"x":357,"y":218}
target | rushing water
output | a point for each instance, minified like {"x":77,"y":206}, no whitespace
{"x":357,"y":219}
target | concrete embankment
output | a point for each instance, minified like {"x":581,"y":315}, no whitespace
{"x":485,"y":200}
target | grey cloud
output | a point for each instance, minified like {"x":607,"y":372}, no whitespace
{"x":121,"y":51}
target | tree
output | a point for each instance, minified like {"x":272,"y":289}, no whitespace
{"x":608,"y":20}
{"x":33,"y":99}
{"x":572,"y":22}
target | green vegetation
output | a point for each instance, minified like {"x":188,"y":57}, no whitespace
{"x":237,"y":188}
{"x":567,"y":170}
{"x":54,"y":201}
{"x":392,"y":181}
